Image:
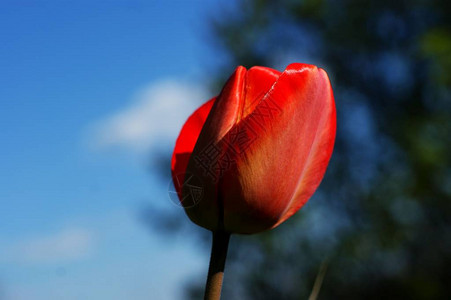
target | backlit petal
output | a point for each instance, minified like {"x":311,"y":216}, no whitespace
{"x":222,"y":117}
{"x":186,"y":140}
{"x":258,"y":81}
{"x":239,"y":97}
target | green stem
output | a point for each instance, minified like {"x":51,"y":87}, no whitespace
{"x":217,"y":262}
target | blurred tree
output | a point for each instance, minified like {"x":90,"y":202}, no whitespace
{"x":381,"y":219}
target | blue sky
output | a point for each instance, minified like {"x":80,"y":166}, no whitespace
{"x":90,"y":92}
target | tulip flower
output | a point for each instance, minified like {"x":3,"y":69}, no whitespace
{"x":259,"y":149}
{"x":248,"y":159}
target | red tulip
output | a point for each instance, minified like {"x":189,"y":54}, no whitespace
{"x":257,"y":152}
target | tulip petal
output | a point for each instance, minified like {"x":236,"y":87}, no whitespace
{"x":258,"y":81}
{"x":208,"y":161}
{"x":225,"y":111}
{"x":317,"y":161}
{"x":223,"y":116}
{"x":288,"y":140}
{"x":187,"y":140}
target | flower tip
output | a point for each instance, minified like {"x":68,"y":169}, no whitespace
{"x":240,"y":69}
{"x":296,"y":68}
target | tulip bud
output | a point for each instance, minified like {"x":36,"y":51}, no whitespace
{"x":258,"y":150}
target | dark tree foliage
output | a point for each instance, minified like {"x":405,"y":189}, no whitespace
{"x":380,"y":222}
{"x":381,"y":219}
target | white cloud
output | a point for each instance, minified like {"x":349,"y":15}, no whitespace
{"x":64,"y":246}
{"x":154,"y":117}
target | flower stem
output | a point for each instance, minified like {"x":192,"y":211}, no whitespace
{"x":217,"y":262}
